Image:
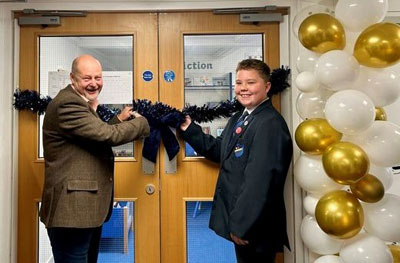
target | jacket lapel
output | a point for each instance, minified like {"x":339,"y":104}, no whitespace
{"x":69,"y":88}
{"x":229,"y":146}
{"x":236,"y":135}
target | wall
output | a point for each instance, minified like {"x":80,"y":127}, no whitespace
{"x":6,"y":134}
{"x":289,"y":50}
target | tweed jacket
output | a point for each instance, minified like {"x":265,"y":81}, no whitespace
{"x":79,"y":162}
{"x":254,"y":160}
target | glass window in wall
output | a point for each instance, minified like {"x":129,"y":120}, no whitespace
{"x":209,"y":68}
{"x":115,"y":54}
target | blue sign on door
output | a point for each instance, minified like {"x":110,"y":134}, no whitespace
{"x":169,"y":76}
{"x":147,"y":75}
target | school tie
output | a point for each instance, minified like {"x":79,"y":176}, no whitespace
{"x":242,"y":118}
{"x":237,"y":128}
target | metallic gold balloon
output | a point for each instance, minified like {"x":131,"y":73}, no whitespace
{"x":313,"y":136}
{"x":378,"y":46}
{"x":321,"y":33}
{"x":395,"y":249}
{"x":339,"y":214}
{"x":345,"y":162}
{"x":380,"y":114}
{"x":368,"y":189}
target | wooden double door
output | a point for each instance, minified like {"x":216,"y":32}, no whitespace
{"x":160,"y":217}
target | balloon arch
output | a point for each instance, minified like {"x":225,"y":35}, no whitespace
{"x":347,"y":74}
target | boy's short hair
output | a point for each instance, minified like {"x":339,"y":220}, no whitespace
{"x":260,"y":66}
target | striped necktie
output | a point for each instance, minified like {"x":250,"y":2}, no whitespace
{"x":237,"y":129}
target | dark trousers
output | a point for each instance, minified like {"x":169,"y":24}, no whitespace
{"x":252,"y":254}
{"x":74,"y":245}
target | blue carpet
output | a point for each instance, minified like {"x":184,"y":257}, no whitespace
{"x":204,"y":246}
{"x":112,"y":250}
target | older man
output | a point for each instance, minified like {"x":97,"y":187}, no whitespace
{"x":79,"y":163}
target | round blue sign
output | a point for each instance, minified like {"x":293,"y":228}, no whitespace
{"x":169,"y":76}
{"x":147,"y":75}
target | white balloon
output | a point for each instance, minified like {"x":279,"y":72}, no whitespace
{"x":364,"y":248}
{"x":317,"y":240}
{"x":337,"y":69}
{"x":350,"y":111}
{"x":356,"y":15}
{"x":306,"y":60}
{"x":306,"y":81}
{"x":384,"y":174}
{"x":382,"y":219}
{"x":309,"y":204}
{"x":381,"y":142}
{"x":329,"y":259}
{"x":381,"y":85}
{"x":310,"y":175}
{"x":312,"y":104}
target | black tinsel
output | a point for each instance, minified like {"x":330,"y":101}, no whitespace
{"x":279,"y":80}
{"x":30,"y":100}
{"x":159,"y":115}
{"x":106,"y":113}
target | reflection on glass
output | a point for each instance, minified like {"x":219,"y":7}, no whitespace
{"x":209,"y":67}
{"x":117,"y":241}
{"x":203,"y":245}
{"x":115,"y":53}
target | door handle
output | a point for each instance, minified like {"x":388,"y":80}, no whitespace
{"x":150,"y":189}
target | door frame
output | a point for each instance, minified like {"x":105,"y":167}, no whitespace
{"x":9,"y":31}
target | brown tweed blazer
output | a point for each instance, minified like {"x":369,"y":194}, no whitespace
{"x":79,"y":162}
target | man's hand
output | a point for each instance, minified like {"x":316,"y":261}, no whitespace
{"x":125,"y":114}
{"x":238,"y":240}
{"x":136,"y":115}
{"x":186,"y":124}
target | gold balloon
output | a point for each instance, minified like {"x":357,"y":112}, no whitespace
{"x":313,"y":136}
{"x":339,"y":214}
{"x":321,"y":33}
{"x":380,"y":114}
{"x":368,"y":189}
{"x":395,"y":249}
{"x":378,"y":46}
{"x":345,"y":162}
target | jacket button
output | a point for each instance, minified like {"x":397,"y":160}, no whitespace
{"x":110,"y":179}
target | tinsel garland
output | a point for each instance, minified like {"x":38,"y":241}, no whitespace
{"x":158,"y":114}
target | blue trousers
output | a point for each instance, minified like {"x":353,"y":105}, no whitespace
{"x":75,"y":245}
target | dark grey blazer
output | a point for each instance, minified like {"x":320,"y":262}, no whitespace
{"x":248,"y":200}
{"x":79,"y":162}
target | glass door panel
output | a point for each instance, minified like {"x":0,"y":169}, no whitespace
{"x":210,"y":68}
{"x":115,"y":54}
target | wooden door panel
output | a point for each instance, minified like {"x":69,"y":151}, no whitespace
{"x":130,"y":181}
{"x":196,"y":177}
{"x":158,"y":46}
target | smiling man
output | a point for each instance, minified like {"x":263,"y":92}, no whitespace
{"x":254,"y":152}
{"x":79,"y":163}
{"x":86,"y":77}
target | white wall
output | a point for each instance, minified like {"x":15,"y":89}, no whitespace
{"x":394,"y":5}
{"x":289,"y":50}
{"x":6,"y":134}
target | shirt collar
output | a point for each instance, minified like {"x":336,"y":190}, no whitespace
{"x":251,"y":110}
{"x":79,"y":94}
